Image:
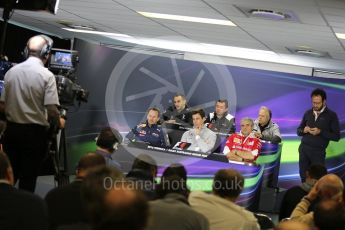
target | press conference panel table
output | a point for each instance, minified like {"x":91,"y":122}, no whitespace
{"x":269,"y":157}
{"x":200,"y":168}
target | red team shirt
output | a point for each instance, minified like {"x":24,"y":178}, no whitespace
{"x":239,"y":142}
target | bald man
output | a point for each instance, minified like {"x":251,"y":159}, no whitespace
{"x":64,"y":203}
{"x":124,"y":208}
{"x":329,"y":186}
{"x":29,"y":101}
{"x":112,"y":202}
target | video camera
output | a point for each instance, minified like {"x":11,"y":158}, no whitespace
{"x":63,"y":64}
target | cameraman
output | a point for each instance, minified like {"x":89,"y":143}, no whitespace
{"x":29,"y":103}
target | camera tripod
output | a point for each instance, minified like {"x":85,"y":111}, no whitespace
{"x":58,"y":154}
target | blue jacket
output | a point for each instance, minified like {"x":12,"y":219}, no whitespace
{"x":153,"y":135}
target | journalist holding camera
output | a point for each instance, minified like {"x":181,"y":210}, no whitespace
{"x":29,"y":104}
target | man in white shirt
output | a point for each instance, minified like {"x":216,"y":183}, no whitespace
{"x":29,"y":101}
{"x":201,"y":138}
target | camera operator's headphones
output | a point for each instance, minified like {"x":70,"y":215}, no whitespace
{"x":45,"y":50}
{"x":109,"y":138}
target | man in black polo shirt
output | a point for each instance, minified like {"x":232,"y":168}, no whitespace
{"x":179,"y":113}
{"x":318,"y":126}
{"x":221,"y":121}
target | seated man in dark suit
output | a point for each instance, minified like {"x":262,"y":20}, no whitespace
{"x":64,"y":203}
{"x":18,"y":209}
{"x":150,"y":131}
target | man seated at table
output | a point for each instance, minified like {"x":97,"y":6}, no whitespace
{"x":221,"y":120}
{"x":149,"y":131}
{"x":201,"y":138}
{"x":243,"y":146}
{"x":179,"y":113}
{"x":264,"y":128}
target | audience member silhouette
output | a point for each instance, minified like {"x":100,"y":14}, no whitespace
{"x":19,"y":209}
{"x":329,"y":186}
{"x":294,"y":195}
{"x":143,"y":174}
{"x":172,"y":211}
{"x":107,"y":143}
{"x":64,"y":203}
{"x":173,"y":180}
{"x":329,"y":214}
{"x":112,"y":203}
{"x":219,"y":207}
